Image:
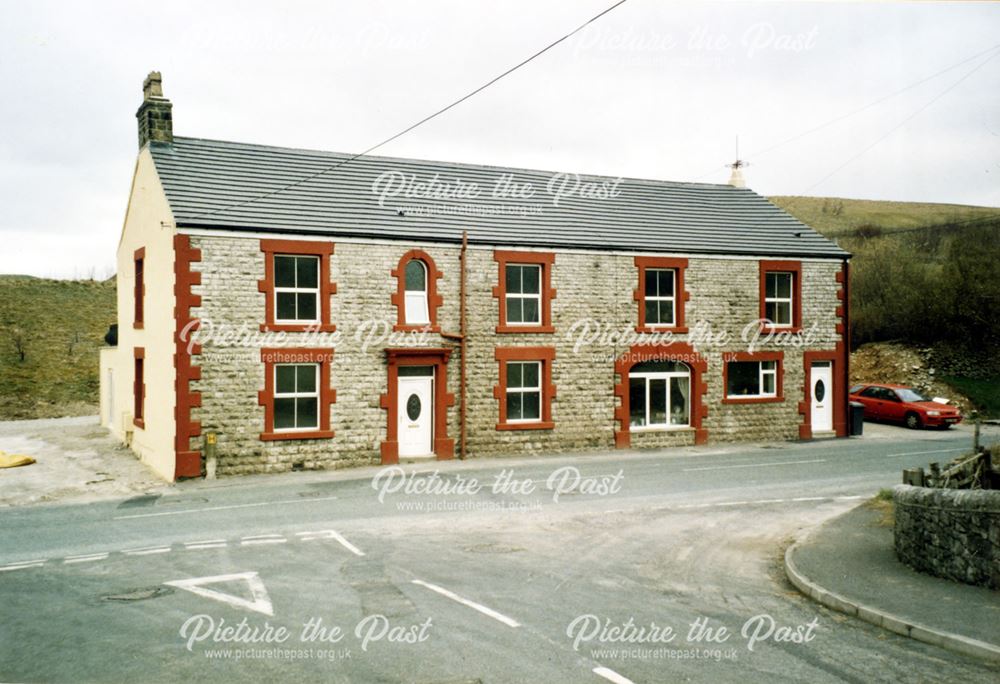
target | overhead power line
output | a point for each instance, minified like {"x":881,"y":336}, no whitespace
{"x":873,"y":103}
{"x":422,"y":121}
{"x":859,"y":110}
{"x":905,"y":121}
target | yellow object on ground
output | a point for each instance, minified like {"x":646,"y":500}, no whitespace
{"x":14,"y":460}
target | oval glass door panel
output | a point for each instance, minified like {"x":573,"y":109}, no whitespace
{"x":820,"y":390}
{"x":413,"y":407}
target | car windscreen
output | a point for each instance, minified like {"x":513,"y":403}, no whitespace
{"x":911,"y":395}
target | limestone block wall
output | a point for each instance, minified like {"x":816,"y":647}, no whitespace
{"x":593,"y":289}
{"x":949,"y":533}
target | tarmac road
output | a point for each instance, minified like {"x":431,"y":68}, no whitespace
{"x":463,"y":585}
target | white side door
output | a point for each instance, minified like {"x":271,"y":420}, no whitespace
{"x":416,"y":416}
{"x":111,"y":398}
{"x":821,"y":395}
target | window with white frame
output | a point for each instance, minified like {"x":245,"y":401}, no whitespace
{"x":659,"y":395}
{"x":296,"y":288}
{"x":524,"y":391}
{"x":415,"y":285}
{"x":659,"y":295}
{"x":296,"y":396}
{"x":751,"y":379}
{"x":524,"y":294}
{"x":778,"y":295}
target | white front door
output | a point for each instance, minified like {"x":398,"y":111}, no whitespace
{"x":416,"y":415}
{"x":821,"y":393}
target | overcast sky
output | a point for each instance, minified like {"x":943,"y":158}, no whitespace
{"x":653,"y":89}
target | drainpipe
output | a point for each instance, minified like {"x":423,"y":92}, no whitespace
{"x":461,"y":337}
{"x":847,"y":341}
{"x":463,"y":345}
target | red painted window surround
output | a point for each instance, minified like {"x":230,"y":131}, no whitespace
{"x":327,"y":395}
{"x":675,"y":351}
{"x":444,"y":446}
{"x":681,"y":296}
{"x":323,"y":250}
{"x":545,"y":260}
{"x":778,"y":356}
{"x":139,"y":388}
{"x":543,"y":354}
{"x":434,"y":300}
{"x":795,"y":268}
{"x":139,"y":288}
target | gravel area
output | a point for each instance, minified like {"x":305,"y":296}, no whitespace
{"x":77,"y":461}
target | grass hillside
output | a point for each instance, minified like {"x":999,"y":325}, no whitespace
{"x":836,"y":217}
{"x":925,"y":277}
{"x":50,"y":331}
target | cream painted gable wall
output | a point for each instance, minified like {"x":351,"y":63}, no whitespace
{"x":149,"y":224}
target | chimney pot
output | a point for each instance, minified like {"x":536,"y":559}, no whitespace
{"x":155,"y":117}
{"x":152,"y":86}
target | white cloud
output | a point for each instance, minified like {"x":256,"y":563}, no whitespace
{"x":652,"y":90}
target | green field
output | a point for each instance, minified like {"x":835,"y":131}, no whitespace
{"x":984,"y":393}
{"x":50,"y":331}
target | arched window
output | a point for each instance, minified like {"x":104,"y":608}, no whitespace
{"x":659,"y":395}
{"x":415,"y":301}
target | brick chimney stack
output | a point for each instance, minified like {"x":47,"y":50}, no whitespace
{"x":155,"y":119}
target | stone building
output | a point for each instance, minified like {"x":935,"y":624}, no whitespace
{"x":300,"y":309}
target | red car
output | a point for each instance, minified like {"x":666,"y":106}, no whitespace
{"x":899,"y":404}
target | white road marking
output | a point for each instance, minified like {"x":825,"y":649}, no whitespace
{"x":346,"y":544}
{"x":250,"y":541}
{"x":510,"y":622}
{"x":261,"y":602}
{"x":147,"y":551}
{"x":918,"y":453}
{"x":224,"y":508}
{"x":754,"y":465}
{"x":612,"y":676}
{"x":315,"y":535}
{"x":207,"y":544}
{"x":22,"y":565}
{"x":85,"y":559}
{"x":809,"y":498}
{"x":848,"y":498}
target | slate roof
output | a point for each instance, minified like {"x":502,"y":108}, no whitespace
{"x":237,"y":186}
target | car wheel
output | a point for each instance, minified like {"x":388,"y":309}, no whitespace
{"x":912,"y":421}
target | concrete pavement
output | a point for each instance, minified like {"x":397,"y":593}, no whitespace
{"x":848,"y":564}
